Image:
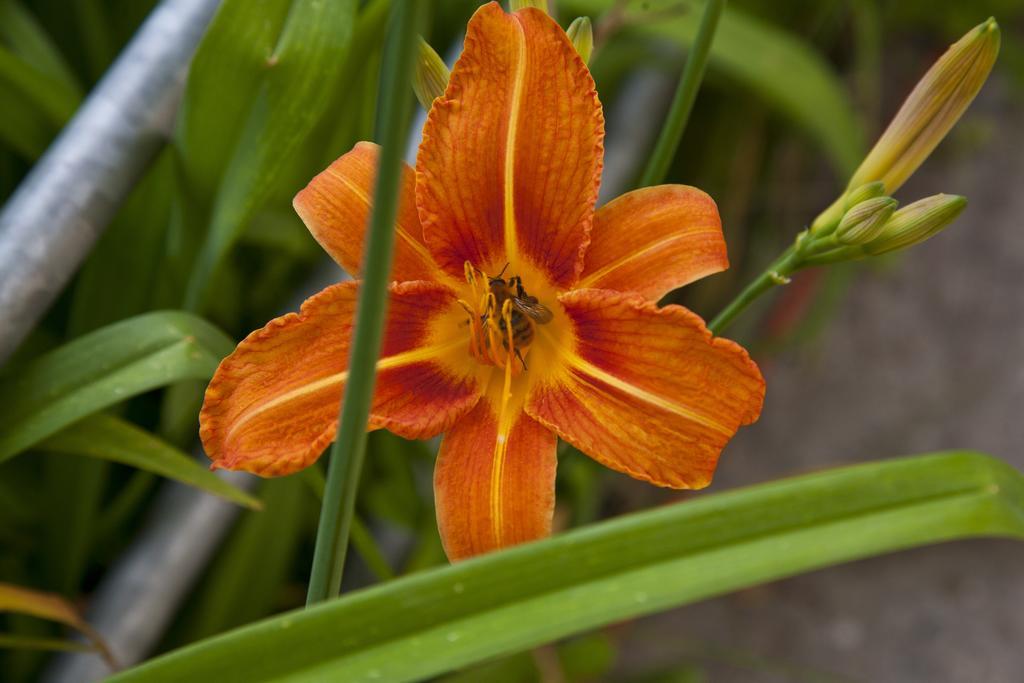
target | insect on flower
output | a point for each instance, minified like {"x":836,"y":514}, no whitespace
{"x":518,"y":314}
{"x":509,"y":315}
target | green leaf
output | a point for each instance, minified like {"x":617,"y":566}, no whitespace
{"x":37,"y":88}
{"x":348,"y":451}
{"x":295,"y":85}
{"x":35,"y":107}
{"x":438,"y":620}
{"x":582,"y":659}
{"x":103,"y":368}
{"x":120,"y":277}
{"x":11,"y":642}
{"x":778,"y":66}
{"x":224,"y":78}
{"x":22,"y":34}
{"x":111,"y":438}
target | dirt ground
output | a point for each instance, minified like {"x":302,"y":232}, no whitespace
{"x":923,"y":355}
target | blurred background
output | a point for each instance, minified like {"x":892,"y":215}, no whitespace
{"x":912,"y":353}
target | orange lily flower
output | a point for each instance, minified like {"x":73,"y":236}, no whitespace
{"x":518,"y":314}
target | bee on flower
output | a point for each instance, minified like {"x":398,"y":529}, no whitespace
{"x":518,"y":314}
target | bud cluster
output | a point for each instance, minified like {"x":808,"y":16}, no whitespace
{"x":929,"y":112}
{"x":874,"y":226}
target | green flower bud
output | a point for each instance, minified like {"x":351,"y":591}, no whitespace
{"x":430,"y":77}
{"x":931,"y":109}
{"x":917,"y":222}
{"x":581,"y":33}
{"x":865,"y":221}
{"x":516,"y":5}
{"x":863,"y":193}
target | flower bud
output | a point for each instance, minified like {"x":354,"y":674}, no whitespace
{"x":917,"y":222}
{"x":931,"y":109}
{"x":581,"y":33}
{"x":516,"y":5}
{"x":828,"y":220}
{"x":863,"y":193}
{"x":430,"y":77}
{"x":865,"y":221}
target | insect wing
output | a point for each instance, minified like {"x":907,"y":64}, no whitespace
{"x":533,"y":309}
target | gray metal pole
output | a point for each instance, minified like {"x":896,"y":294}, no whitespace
{"x":55,"y":216}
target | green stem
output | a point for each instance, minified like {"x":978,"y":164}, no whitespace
{"x":775,"y":274}
{"x":395,"y":105}
{"x":686,"y":93}
{"x":362,"y":540}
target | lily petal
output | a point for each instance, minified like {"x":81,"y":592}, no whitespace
{"x":653,"y":240}
{"x":272,"y":406}
{"x":335,"y":206}
{"x":494,"y":482}
{"x":511,"y":155}
{"x":647,"y":391}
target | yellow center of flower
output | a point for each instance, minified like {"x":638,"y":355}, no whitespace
{"x":502,"y":319}
{"x":509,"y":335}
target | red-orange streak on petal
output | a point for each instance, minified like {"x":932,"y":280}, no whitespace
{"x":653,"y":240}
{"x":511,"y":155}
{"x":492,"y":494}
{"x":272,"y":406}
{"x":335,"y":206}
{"x":648,"y":391}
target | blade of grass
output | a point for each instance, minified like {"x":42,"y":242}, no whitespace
{"x":350,"y":445}
{"x":436,"y":621}
{"x":295,"y":89}
{"x":111,"y":438}
{"x":362,"y":539}
{"x":11,"y":642}
{"x":35,"y":106}
{"x":53,"y":608}
{"x":686,"y":94}
{"x":23,"y":35}
{"x":750,"y":53}
{"x":103,"y":368}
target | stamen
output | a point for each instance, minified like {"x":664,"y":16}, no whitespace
{"x":474,"y":329}
{"x":493,"y":329}
{"x":506,"y":314}
{"x":489,"y":343}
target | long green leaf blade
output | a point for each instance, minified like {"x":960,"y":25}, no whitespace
{"x":439,"y":620}
{"x":21,"y":32}
{"x":754,"y":53}
{"x":349,"y":448}
{"x":103,"y":368}
{"x":111,"y":438}
{"x":686,"y":93}
{"x":309,"y":55}
{"x":37,"y":88}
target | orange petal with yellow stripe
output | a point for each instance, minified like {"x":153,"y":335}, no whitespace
{"x":494,"y":482}
{"x":335,"y":207}
{"x":647,"y":390}
{"x":654,"y":240}
{"x":511,"y":155}
{"x":272,"y":406}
